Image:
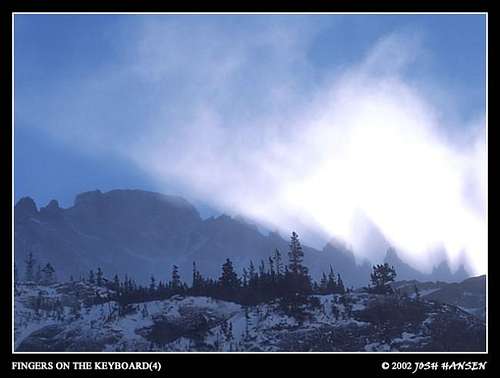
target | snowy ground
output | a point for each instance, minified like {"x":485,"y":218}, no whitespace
{"x":207,"y":324}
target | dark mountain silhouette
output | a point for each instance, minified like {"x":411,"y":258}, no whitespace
{"x":142,"y":233}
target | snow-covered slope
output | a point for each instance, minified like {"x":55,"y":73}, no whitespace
{"x":79,"y":317}
{"x":469,"y":295}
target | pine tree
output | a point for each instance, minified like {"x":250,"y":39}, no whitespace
{"x":30,"y":267}
{"x":245,"y":278}
{"x":262,"y":269}
{"x":152,"y":285}
{"x":47,"y":275}
{"x":116,"y":283}
{"x":381,"y":277}
{"x":332,"y":284}
{"x":195,"y":276}
{"x":38,"y":274}
{"x":299,"y":280}
{"x":340,"y":285}
{"x":176,"y":278}
{"x":271,"y":269}
{"x":229,"y":278}
{"x":323,"y":285}
{"x":296,"y":255}
{"x":198,"y":282}
{"x":252,"y":276}
{"x":91,"y":277}
{"x":277,"y":262}
{"x":99,"y":277}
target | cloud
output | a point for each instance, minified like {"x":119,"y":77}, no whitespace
{"x":235,"y":116}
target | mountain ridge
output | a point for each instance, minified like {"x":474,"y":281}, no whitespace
{"x":143,"y":233}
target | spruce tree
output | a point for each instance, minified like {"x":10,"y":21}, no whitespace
{"x":277,"y":263}
{"x":245,"y":278}
{"x":48,"y":275}
{"x":99,"y":277}
{"x":116,"y":283}
{"x":195,"y":276}
{"x":38,"y":274}
{"x":176,"y":278}
{"x":332,"y":284}
{"x":271,"y":268}
{"x":296,"y":256}
{"x":340,"y":285}
{"x":381,"y":277}
{"x":152,"y":285}
{"x":299,"y":280}
{"x":323,"y":285}
{"x":91,"y":277}
{"x":30,"y":267}
{"x":252,"y":276}
{"x":229,"y":278}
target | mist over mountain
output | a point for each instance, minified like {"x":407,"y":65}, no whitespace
{"x":142,"y":233}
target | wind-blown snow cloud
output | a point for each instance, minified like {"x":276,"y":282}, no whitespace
{"x":242,"y":122}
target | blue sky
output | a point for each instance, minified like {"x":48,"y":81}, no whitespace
{"x":56,"y":50}
{"x":353,"y":126}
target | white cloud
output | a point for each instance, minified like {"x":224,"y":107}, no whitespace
{"x":238,"y":121}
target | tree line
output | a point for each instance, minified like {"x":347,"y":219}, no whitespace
{"x":275,"y":278}
{"x":271,"y":279}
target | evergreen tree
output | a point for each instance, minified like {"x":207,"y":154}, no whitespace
{"x":116,"y":283}
{"x":296,"y":256}
{"x":277,"y":263}
{"x":195,"y":276}
{"x":91,"y":277}
{"x":198,"y":282}
{"x":298,"y":280}
{"x":48,"y":276}
{"x":340,"y":285}
{"x":245,"y":278}
{"x":381,"y":277}
{"x":38,"y":274}
{"x":271,"y":266}
{"x":152,"y":285}
{"x":262,"y":269}
{"x":229,"y":279}
{"x":99,"y":277}
{"x":332,"y":284}
{"x":176,"y":278}
{"x":252,"y":276}
{"x":30,"y":267}
{"x":323,"y":285}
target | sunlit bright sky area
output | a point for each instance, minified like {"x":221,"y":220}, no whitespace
{"x":366,"y":128}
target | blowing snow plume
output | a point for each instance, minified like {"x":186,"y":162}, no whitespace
{"x":242,"y":121}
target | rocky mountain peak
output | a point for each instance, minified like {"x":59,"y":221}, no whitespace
{"x":25,"y":208}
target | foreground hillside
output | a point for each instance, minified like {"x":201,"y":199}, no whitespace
{"x":79,"y":316}
{"x":469,"y":295}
